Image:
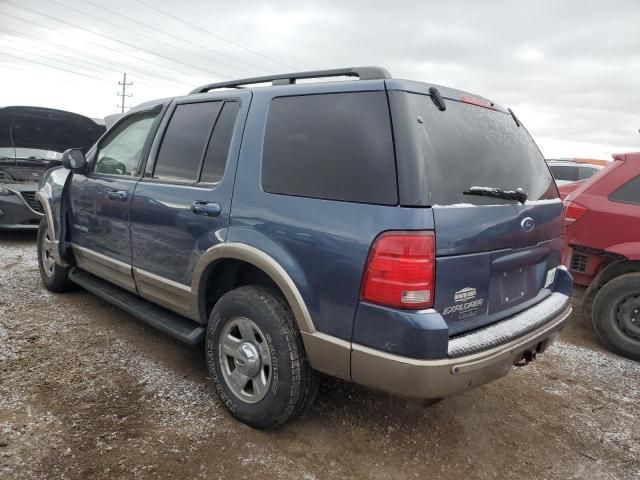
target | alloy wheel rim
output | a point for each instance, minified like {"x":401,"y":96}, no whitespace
{"x":245,"y":360}
{"x":48,"y":263}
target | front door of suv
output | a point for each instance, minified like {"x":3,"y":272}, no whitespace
{"x":181,"y":206}
{"x":101,"y":199}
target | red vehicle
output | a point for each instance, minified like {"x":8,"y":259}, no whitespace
{"x":603,"y":235}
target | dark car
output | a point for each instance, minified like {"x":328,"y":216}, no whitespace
{"x":397,"y":234}
{"x":571,"y":171}
{"x":32,"y":140}
{"x":603,"y":235}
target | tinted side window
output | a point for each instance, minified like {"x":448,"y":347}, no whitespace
{"x":563,"y":172}
{"x":184,"y":141}
{"x":120,"y":152}
{"x":627,"y":193}
{"x":586,"y":172}
{"x":334,"y":146}
{"x":215,"y":159}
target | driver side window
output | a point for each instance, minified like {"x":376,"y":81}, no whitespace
{"x":120,"y":152}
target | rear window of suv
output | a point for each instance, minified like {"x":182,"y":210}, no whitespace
{"x":468,"y":145}
{"x":331,"y":146}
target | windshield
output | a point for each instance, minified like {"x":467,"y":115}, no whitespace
{"x":469,"y":146}
{"x":30,"y":153}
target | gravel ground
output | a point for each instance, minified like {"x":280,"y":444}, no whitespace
{"x":88,"y":391}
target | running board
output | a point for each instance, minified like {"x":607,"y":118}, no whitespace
{"x":185,"y":330}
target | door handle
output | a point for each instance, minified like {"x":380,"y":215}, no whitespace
{"x":209,"y":209}
{"x":117,"y":194}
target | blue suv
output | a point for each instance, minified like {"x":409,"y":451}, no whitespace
{"x":396,"y":234}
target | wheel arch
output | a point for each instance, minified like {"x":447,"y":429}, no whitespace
{"x":608,"y":273}
{"x":215,"y":256}
{"x":325,"y":353}
{"x":50,"y":196}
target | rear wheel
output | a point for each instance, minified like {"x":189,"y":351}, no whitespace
{"x":54,"y":277}
{"x":256,"y":358}
{"x":616,"y":315}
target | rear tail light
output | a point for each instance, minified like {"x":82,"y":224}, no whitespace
{"x":400,"y":270}
{"x":573,"y":211}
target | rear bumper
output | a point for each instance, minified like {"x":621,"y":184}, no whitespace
{"x":440,"y":378}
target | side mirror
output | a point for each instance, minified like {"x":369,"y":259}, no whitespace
{"x":74,"y":160}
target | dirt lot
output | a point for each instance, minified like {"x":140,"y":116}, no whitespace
{"x":88,"y":391}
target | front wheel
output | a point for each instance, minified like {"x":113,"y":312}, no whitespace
{"x":54,"y":277}
{"x":256,"y":358}
{"x":616,"y":315}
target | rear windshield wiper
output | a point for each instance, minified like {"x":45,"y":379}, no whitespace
{"x":518,"y":195}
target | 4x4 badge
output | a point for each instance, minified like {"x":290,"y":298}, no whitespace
{"x":527,"y":224}
{"x":464,"y":294}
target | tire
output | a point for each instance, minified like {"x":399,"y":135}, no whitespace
{"x":254,"y":322}
{"x":54,"y":277}
{"x":616,"y":315}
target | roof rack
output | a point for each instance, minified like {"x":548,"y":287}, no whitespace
{"x":364,"y":73}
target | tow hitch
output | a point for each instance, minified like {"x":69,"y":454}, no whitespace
{"x":527,"y":357}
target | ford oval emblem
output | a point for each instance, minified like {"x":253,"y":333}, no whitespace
{"x":527,"y":224}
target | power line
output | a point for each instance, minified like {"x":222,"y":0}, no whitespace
{"x":54,"y":67}
{"x":123,"y":95}
{"x":220,"y":37}
{"x":29,"y":52}
{"x":80,"y":27}
{"x":137,"y":22}
{"x":119,"y":52}
{"x":155,"y":40}
{"x":156,"y":78}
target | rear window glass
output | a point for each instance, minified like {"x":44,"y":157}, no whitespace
{"x":586,"y":172}
{"x":468,"y":145}
{"x":627,"y":193}
{"x":184,"y":141}
{"x":564,"y":172}
{"x":333,"y":146}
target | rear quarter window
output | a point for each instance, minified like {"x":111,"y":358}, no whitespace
{"x":184,"y":141}
{"x":331,"y":146}
{"x":627,"y":193}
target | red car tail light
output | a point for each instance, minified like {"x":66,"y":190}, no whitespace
{"x":573,"y":211}
{"x":400,"y":270}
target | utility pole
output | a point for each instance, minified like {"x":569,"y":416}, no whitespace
{"x":124,"y":91}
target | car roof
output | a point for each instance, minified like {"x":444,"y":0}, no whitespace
{"x":573,"y":163}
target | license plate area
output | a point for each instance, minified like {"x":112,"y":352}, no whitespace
{"x":512,"y":287}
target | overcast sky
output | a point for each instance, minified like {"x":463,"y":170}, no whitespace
{"x":569,"y":69}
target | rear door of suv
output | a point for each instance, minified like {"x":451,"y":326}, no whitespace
{"x":182,"y":204}
{"x":495,"y":256}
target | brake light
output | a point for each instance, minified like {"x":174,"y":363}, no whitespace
{"x":573,"y":211}
{"x":400,"y":270}
{"x":479,"y":101}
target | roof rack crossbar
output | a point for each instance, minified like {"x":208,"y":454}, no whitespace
{"x":364,"y":73}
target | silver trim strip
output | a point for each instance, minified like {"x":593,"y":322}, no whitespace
{"x":110,"y":269}
{"x":478,"y":356}
{"x":163,"y":280}
{"x":103,"y":259}
{"x":167,"y":293}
